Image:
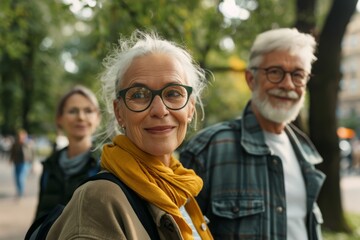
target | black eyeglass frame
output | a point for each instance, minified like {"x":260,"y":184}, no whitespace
{"x":122,"y":93}
{"x":306,"y":79}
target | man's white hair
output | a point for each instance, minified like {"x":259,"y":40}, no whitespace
{"x":283,"y":39}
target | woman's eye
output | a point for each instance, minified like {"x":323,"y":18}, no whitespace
{"x":137,"y":95}
{"x":73,"y":111}
{"x":173,"y":93}
{"x":89,"y":111}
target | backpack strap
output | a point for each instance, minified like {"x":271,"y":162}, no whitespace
{"x":138,"y":204}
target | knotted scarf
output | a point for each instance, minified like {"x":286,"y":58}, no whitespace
{"x":168,"y":188}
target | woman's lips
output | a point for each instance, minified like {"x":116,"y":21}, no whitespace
{"x":160,"y":129}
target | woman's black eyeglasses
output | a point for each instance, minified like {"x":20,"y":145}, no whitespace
{"x":139,"y":98}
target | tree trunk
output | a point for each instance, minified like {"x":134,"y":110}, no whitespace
{"x":305,"y":22}
{"x":7,"y":105}
{"x":27,"y":79}
{"x":305,"y":18}
{"x":323,"y":90}
{"x":7,"y":98}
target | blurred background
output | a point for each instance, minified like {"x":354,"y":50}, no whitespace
{"x":46,"y":47}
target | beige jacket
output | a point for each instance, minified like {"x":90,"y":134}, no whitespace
{"x":100,"y":210}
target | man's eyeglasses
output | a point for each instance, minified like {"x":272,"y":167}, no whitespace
{"x":277,"y":74}
{"x":139,"y":98}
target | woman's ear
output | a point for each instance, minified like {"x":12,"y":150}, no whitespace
{"x":191,"y":111}
{"x":117,"y":111}
{"x":58,"y":122}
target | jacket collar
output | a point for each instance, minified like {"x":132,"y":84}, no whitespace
{"x":252,"y":139}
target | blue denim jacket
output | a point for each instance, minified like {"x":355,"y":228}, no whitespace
{"x":244,"y":193}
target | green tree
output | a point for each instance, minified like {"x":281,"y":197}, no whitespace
{"x":23,"y":63}
{"x":40,"y":39}
{"x":16,"y":50}
{"x":324,"y":89}
{"x":33,"y":43}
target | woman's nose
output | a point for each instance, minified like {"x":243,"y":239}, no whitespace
{"x":81,"y":114}
{"x":158,"y":108}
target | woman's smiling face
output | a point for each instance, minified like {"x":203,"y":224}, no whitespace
{"x":157,"y":130}
{"x":80,"y":117}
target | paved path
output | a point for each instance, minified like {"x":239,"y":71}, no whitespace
{"x":16,"y":216}
{"x":350,"y":190}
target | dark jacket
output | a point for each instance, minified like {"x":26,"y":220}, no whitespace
{"x":244,"y":194}
{"x":56,"y":187}
{"x":20,"y":153}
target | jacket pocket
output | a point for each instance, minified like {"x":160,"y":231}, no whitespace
{"x":234,"y":208}
{"x":242,"y":219}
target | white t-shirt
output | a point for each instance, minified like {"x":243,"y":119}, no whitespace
{"x":280,"y":145}
{"x":187,"y":218}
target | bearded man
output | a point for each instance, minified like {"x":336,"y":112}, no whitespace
{"x":258,"y":171}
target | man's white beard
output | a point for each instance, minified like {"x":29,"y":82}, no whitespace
{"x":281,"y":113}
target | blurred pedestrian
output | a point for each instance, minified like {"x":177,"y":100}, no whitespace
{"x":78,"y":116}
{"x":22,"y":154}
{"x":259,"y":176}
{"x":151,"y":87}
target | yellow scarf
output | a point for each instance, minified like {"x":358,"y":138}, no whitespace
{"x":168,"y":188}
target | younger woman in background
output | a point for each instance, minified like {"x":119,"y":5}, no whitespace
{"x":77,"y":116}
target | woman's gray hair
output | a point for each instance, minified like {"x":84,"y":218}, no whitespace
{"x":139,"y":44}
{"x":288,"y":39}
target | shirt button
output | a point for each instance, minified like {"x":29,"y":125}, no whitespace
{"x":279,"y":209}
{"x":203,"y":227}
{"x":235,"y":209}
{"x":275,"y":162}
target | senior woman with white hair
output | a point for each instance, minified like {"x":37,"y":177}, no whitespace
{"x":151,"y":87}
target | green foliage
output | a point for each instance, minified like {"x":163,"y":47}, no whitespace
{"x":21,"y":30}
{"x":354,"y":220}
{"x":38,"y":38}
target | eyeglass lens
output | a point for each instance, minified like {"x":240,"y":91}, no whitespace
{"x":276,"y":75}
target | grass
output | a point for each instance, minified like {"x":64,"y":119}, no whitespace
{"x":354,"y":221}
